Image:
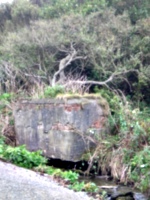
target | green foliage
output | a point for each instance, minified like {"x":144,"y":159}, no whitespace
{"x":41,"y":168}
{"x":127,"y":145}
{"x":113,"y":100}
{"x":92,"y":6}
{"x":22,"y":157}
{"x":70,"y":176}
{"x":135,"y":142}
{"x":5,"y":108}
{"x":5,"y":100}
{"x":23,"y":11}
{"x":87,"y":187}
{"x":90,"y":187}
{"x":140,"y":165}
{"x":58,"y":8}
{"x":104,"y":195}
{"x":5,"y":97}
{"x":77,"y":186}
{"x":66,"y":175}
{"x":50,"y":170}
{"x":1,"y":150}
{"x":53,"y":91}
{"x":137,"y":9}
{"x":117,"y":118}
{"x":55,"y":172}
{"x":2,"y":146}
{"x":109,"y":42}
{"x":2,"y":140}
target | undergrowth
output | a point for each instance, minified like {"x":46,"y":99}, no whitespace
{"x":21,"y":156}
{"x":71,"y":179}
{"x":52,"y":92}
{"x":125,"y":151}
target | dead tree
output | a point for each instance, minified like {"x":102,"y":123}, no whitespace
{"x":65,"y":62}
{"x":72,"y":56}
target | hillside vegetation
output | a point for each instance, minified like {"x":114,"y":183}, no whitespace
{"x":100,"y":46}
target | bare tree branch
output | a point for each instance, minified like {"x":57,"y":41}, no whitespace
{"x":72,"y":56}
{"x":35,"y":76}
{"x":102,"y":83}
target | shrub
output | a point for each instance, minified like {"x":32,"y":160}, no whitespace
{"x":2,"y":144}
{"x":140,"y":165}
{"x":77,"y":186}
{"x":5,"y":97}
{"x":91,"y":187}
{"x":22,"y":157}
{"x":53,"y":91}
{"x":70,"y":176}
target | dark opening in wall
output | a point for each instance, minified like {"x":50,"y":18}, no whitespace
{"x":80,"y":166}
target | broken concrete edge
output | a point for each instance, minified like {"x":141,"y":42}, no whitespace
{"x":69,"y":99}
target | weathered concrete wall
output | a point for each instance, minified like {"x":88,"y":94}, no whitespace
{"x":60,"y":128}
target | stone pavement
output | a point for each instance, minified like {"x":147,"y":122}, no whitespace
{"x":22,"y":184}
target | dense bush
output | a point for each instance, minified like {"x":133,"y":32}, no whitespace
{"x":140,"y":165}
{"x":137,"y":9}
{"x":53,"y":91}
{"x":108,"y":40}
{"x":22,"y":157}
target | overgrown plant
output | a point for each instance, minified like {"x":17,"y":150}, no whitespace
{"x":77,"y":186}
{"x":133,"y":153}
{"x":124,"y":152}
{"x":22,"y":157}
{"x":70,"y":177}
{"x":53,"y":91}
{"x":6,"y":117}
{"x":139,"y":166}
{"x":2,"y":146}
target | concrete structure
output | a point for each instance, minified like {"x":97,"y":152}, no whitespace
{"x":61,"y":128}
